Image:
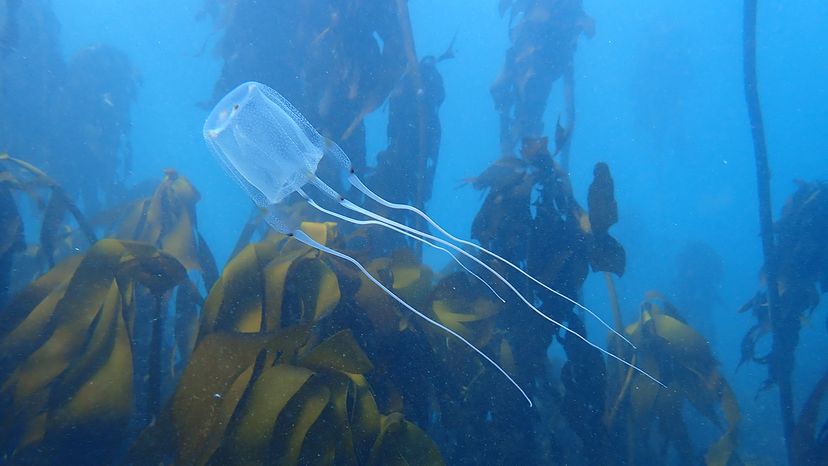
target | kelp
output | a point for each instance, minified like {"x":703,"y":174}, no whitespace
{"x":296,"y":354}
{"x":800,"y":258}
{"x":66,"y":370}
{"x":58,"y":239}
{"x":543,"y":46}
{"x":398,"y":343}
{"x":506,"y":222}
{"x":405,"y":168}
{"x":503,"y":222}
{"x":168,"y":220}
{"x":278,"y":283}
{"x":809,"y":446}
{"x":597,"y":402}
{"x":530,"y":216}
{"x":584,"y":374}
{"x":338,"y":62}
{"x":282,"y":397}
{"x":607,"y":254}
{"x":32,"y":78}
{"x":403,"y":273}
{"x":466,"y":307}
{"x":282,"y":283}
{"x":802,"y":252}
{"x":12,"y":240}
{"x":679,"y":357}
{"x":100,"y":85}
{"x":271,"y":285}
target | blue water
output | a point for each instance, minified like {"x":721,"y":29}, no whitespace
{"x":659,"y":97}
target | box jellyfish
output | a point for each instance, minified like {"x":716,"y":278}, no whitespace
{"x":272,"y":151}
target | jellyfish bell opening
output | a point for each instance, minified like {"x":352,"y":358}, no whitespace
{"x":225,"y":109}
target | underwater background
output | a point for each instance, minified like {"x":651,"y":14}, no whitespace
{"x":149,"y":315}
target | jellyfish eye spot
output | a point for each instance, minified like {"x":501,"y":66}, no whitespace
{"x":236,"y":107}
{"x":352,"y":170}
{"x":341,"y":198}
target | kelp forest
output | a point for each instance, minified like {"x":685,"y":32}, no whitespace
{"x":123,"y":340}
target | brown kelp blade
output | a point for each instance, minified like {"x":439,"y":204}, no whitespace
{"x":67,"y":372}
{"x":309,"y":401}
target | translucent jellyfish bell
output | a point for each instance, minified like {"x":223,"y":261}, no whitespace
{"x":263,"y":142}
{"x":272,"y":151}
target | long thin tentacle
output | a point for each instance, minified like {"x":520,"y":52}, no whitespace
{"x":303,"y":237}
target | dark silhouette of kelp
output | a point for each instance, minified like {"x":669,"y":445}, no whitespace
{"x":70,"y":119}
{"x":809,"y":446}
{"x":404,"y":172}
{"x":789,"y":292}
{"x":553,"y":237}
{"x":800,"y":257}
{"x":95,"y":102}
{"x":543,"y":46}
{"x":58,"y":238}
{"x":12,"y":240}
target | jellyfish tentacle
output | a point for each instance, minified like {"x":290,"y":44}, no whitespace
{"x":357,"y":183}
{"x":351,"y":206}
{"x":303,"y":237}
{"x":318,"y":207}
